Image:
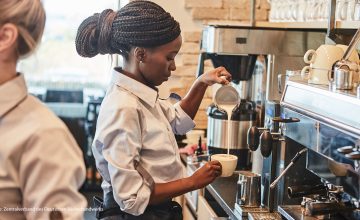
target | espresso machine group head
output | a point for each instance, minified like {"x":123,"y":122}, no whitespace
{"x":268,"y":142}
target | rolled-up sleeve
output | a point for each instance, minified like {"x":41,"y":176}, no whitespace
{"x":179,"y":120}
{"x":121,"y":137}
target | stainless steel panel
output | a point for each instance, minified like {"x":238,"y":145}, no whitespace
{"x":245,"y":40}
{"x":278,"y":65}
{"x":218,"y":133}
{"x":339,"y":109}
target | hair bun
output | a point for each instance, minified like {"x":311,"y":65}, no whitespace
{"x":104,"y":26}
{"x":94,"y":34}
{"x":144,"y":24}
{"x":139,"y":23}
{"x":86,"y":40}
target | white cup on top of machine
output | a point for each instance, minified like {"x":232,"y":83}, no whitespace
{"x":323,"y":57}
{"x":321,"y":61}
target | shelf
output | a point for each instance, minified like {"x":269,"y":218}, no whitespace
{"x":288,"y":25}
{"x":347,"y":24}
{"x":228,"y":23}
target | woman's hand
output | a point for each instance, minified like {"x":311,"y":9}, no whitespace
{"x":191,"y":102}
{"x":206,"y":174}
{"x":217,"y":75}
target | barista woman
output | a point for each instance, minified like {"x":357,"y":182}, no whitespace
{"x":41,"y":166}
{"x":134,"y":147}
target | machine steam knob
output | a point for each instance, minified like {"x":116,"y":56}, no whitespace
{"x":253,"y":136}
{"x":266,"y":143}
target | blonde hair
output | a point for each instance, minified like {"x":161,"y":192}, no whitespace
{"x":29,"y":18}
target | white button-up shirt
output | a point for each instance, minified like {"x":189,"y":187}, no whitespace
{"x":133,"y":124}
{"x":41,"y":166}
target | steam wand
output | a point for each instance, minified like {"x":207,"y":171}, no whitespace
{"x":297,"y":156}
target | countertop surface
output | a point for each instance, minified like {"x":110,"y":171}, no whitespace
{"x":224,"y":190}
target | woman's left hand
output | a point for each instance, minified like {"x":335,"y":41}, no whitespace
{"x":217,"y":75}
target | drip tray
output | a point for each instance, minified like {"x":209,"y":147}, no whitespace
{"x":295,"y":212}
{"x":264,"y":216}
{"x":255,"y":213}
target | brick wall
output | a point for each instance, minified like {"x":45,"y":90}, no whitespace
{"x":224,"y":11}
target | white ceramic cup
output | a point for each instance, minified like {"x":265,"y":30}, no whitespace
{"x":351,"y":10}
{"x":321,"y":62}
{"x":301,"y":11}
{"x":341,"y":9}
{"x":324,"y":57}
{"x":324,"y":10}
{"x":310,"y":10}
{"x":316,"y":76}
{"x":228,"y":163}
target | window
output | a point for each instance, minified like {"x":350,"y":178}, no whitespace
{"x":56,"y":64}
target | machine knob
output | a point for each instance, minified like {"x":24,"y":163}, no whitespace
{"x":253,"y":135}
{"x":266,"y":142}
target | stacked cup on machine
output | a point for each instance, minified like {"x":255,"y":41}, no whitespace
{"x":321,"y":62}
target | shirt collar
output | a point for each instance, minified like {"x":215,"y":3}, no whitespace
{"x":145,"y":93}
{"x":12,"y":93}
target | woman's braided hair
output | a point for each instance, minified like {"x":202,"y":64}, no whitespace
{"x":139,"y":23}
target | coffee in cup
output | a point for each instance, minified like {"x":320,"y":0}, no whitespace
{"x":228,"y":163}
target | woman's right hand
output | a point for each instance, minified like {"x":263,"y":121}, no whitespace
{"x":217,"y":75}
{"x":206,"y":174}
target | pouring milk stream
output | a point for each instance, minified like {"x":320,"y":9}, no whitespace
{"x":227,"y":98}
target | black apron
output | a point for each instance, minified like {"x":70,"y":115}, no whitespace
{"x":110,"y":210}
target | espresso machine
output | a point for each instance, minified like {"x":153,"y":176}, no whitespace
{"x":314,"y":153}
{"x":325,"y":182}
{"x":254,"y":57}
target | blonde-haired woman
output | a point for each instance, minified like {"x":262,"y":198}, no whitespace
{"x":41,"y":166}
